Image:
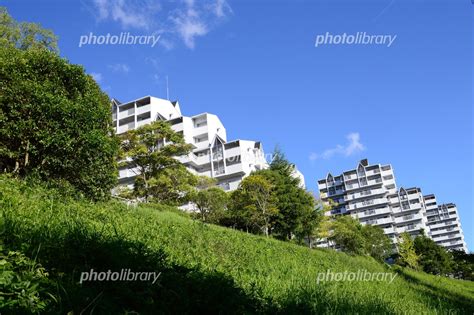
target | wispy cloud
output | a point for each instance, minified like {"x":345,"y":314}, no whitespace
{"x":129,"y":14}
{"x":119,"y":67}
{"x":185,"y":20}
{"x":96,"y":76}
{"x":221,"y":8}
{"x":189,"y":26}
{"x":352,"y":147}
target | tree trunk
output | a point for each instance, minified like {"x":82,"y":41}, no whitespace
{"x":27,"y":154}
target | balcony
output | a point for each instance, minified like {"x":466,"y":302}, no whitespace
{"x":335,"y":193}
{"x":410,"y":228}
{"x":373,"y":172}
{"x":389,"y":230}
{"x":143,"y":109}
{"x":448,"y":237}
{"x":367,"y":203}
{"x":384,"y":221}
{"x":374,"y":182}
{"x":408,"y":218}
{"x":233,"y":169}
{"x":126,"y":127}
{"x":374,"y":212}
{"x":352,"y":186}
{"x":143,"y":122}
{"x":126,"y":113}
{"x":197,"y":131}
{"x":363,"y":194}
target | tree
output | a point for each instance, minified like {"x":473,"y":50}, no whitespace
{"x":210,"y":200}
{"x":406,"y":251}
{"x":151,"y":151}
{"x":346,"y":232}
{"x":253,"y":203}
{"x":296,"y":206}
{"x":211,"y":204}
{"x":25,"y":35}
{"x":463,"y":265}
{"x":433,"y":258}
{"x":377,"y":244}
{"x":311,"y":224}
{"x":55,"y":121}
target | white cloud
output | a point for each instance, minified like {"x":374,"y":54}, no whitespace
{"x":119,"y":67}
{"x":97,"y":76}
{"x":220,"y":8}
{"x":130,"y":14}
{"x":185,"y":20}
{"x":189,"y":27}
{"x":352,"y":147}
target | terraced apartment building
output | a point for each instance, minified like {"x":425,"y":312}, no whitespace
{"x":369,"y":193}
{"x":444,"y":224}
{"x":212,"y":155}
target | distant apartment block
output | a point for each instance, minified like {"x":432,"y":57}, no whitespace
{"x":212,"y":155}
{"x":444,"y":224}
{"x":369,"y":193}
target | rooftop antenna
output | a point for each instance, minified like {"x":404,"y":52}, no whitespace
{"x":167,"y":90}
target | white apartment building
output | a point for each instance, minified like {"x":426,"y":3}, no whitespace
{"x":369,"y":193}
{"x":444,"y":224}
{"x":212,"y":155}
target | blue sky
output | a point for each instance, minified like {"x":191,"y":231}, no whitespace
{"x":255,"y":64}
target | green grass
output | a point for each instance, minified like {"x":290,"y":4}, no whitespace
{"x":205,"y":268}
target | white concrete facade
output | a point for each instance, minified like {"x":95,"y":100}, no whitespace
{"x":369,"y":193}
{"x":444,"y":224}
{"x":212,"y":155}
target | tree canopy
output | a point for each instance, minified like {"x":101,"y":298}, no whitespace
{"x":25,"y":35}
{"x":152,"y":151}
{"x":55,"y":122}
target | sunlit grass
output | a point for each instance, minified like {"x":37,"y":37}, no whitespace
{"x":205,"y":268}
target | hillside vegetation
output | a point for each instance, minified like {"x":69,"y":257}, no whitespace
{"x":204,"y":268}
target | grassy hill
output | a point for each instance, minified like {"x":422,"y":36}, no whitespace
{"x":204,"y":268}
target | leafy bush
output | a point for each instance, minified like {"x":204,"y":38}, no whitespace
{"x":55,"y":122}
{"x":24,"y":284}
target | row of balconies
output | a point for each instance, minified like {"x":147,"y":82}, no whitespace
{"x":364,"y":194}
{"x":374,"y":212}
{"x":452,"y":229}
{"x":366,"y":203}
{"x":369,"y":183}
{"x":408,"y":218}
{"x":449,"y":239}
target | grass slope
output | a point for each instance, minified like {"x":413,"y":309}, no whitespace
{"x":205,"y":268}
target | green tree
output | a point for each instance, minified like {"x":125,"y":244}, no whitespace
{"x":463,"y":265}
{"x":211,"y":204}
{"x":406,"y":251}
{"x":296,"y":206}
{"x":311,"y":224}
{"x":254,"y":204}
{"x":210,"y":200}
{"x":347,"y":233}
{"x":55,"y":122}
{"x":152,"y":151}
{"x":377,"y":244}
{"x":25,"y":35}
{"x":433,"y":258}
